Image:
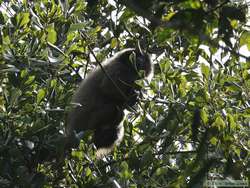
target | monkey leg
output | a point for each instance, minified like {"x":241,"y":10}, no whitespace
{"x":106,"y":138}
{"x":110,"y":133}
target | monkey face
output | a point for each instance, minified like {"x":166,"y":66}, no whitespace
{"x":141,"y":63}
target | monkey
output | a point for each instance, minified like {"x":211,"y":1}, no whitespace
{"x":104,"y":94}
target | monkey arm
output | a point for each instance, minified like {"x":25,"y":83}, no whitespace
{"x":106,"y":115}
{"x":133,"y":95}
{"x":133,"y":98}
{"x":114,"y":90}
{"x":122,"y":88}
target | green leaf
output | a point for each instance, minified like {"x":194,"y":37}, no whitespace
{"x":205,"y":70}
{"x":245,"y":39}
{"x":113,"y":43}
{"x":183,"y":86}
{"x":237,"y":151}
{"x":30,"y":80}
{"x":124,"y":165}
{"x":125,"y":173}
{"x":28,"y":107}
{"x":204,"y":116}
{"x":163,"y":34}
{"x":77,"y":26}
{"x":15,"y":94}
{"x":23,"y":19}
{"x":219,"y":123}
{"x":231,"y":121}
{"x":126,"y":15}
{"x":246,"y":75}
{"x":40,"y":95}
{"x":195,"y":4}
{"x":77,"y":154}
{"x":213,"y":141}
{"x":232,"y":86}
{"x":161,"y":171}
{"x":52,"y":35}
{"x":88,"y":171}
{"x":97,"y":29}
{"x":24,"y":73}
{"x":53,"y":83}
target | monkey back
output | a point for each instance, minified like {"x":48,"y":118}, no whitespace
{"x":102,"y":96}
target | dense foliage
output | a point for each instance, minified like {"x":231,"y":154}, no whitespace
{"x":192,"y":124}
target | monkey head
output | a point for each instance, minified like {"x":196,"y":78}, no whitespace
{"x":140,"y":62}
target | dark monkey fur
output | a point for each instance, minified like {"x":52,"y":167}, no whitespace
{"x":99,"y":104}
